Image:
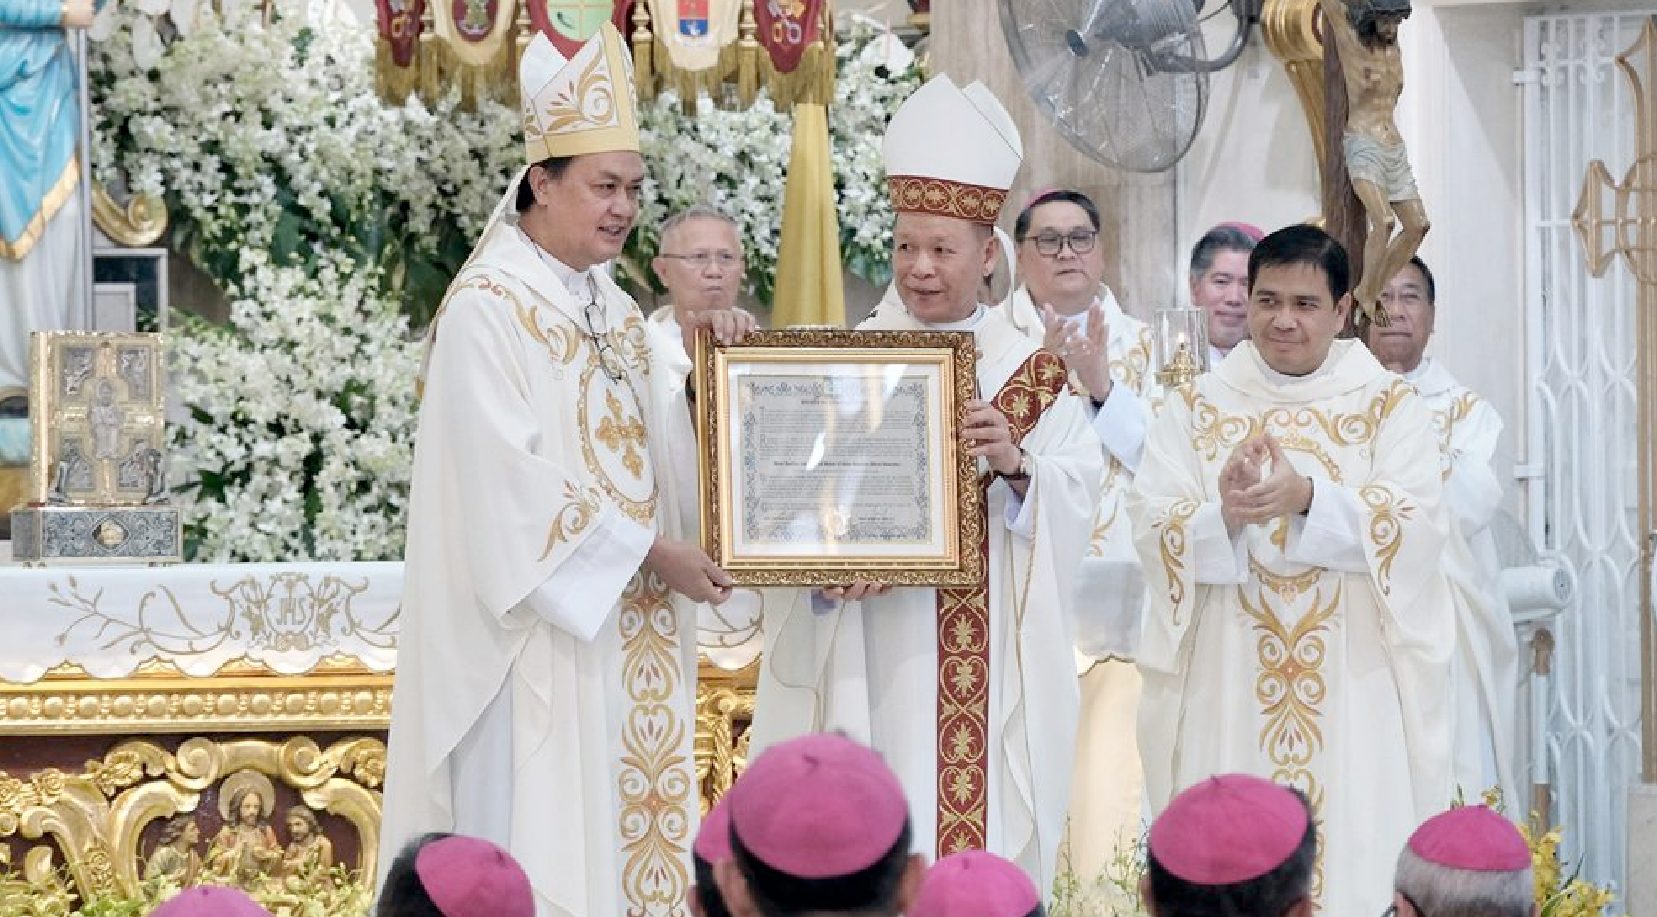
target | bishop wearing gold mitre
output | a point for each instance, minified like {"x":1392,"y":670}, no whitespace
{"x":546,"y":668}
{"x":969,"y":693}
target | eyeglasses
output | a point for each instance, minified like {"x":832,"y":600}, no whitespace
{"x":608,"y":359}
{"x":1080,"y":241}
{"x":701,"y":260}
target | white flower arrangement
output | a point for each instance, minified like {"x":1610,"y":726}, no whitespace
{"x":297,"y":439}
{"x":322,"y":211}
{"x":272,"y":137}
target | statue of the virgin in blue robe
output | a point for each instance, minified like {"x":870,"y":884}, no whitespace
{"x":42,"y":235}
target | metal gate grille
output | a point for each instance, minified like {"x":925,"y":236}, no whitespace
{"x":1581,"y":427}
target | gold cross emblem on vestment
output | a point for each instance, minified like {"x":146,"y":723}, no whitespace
{"x":622,"y":434}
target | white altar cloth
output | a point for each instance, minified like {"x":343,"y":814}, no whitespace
{"x":199,"y":617}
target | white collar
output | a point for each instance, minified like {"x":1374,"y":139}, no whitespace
{"x":965,"y":324}
{"x":1276,"y":378}
{"x":578,"y":283}
{"x":1420,"y":371}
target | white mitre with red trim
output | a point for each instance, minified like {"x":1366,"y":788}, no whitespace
{"x":952,"y":151}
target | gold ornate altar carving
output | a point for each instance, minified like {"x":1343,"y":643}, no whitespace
{"x":140,"y":222}
{"x":724,"y":713}
{"x":338,"y":695}
{"x":95,"y":820}
{"x":139,"y":812}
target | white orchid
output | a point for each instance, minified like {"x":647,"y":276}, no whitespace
{"x":299,"y":437}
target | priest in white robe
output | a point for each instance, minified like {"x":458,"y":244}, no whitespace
{"x":1064,"y":305}
{"x":546,"y":676}
{"x":1288,"y":513}
{"x":700,"y":264}
{"x":969,"y":693}
{"x":1487,"y":650}
{"x":1219,"y":284}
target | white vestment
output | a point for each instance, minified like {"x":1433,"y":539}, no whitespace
{"x":1107,"y":789}
{"x":1487,"y":656}
{"x":727,"y":634}
{"x":872,"y":668}
{"x":1316,"y":650}
{"x":545,"y":684}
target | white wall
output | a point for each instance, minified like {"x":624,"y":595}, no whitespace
{"x":1462,"y":121}
{"x":1252,"y":159}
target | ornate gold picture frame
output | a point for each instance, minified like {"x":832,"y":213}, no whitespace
{"x":829,"y":456}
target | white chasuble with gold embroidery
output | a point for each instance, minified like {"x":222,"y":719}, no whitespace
{"x":1315,"y":650}
{"x":1107,"y":619}
{"x":1487,"y":651}
{"x":545,"y":684}
{"x":1107,"y":790}
{"x":969,"y":694}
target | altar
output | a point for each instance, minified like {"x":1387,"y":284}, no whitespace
{"x":174,"y":694}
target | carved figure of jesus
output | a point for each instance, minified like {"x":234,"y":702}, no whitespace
{"x":1365,"y":33}
{"x":106,"y":422}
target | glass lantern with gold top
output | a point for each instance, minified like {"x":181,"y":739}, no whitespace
{"x":1181,"y":346}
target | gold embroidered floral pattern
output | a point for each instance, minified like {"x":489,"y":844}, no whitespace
{"x":1111,"y":487}
{"x":976,"y":203}
{"x":587,"y":104}
{"x":963,"y":627}
{"x":1290,"y":686}
{"x":1172,"y":547}
{"x":1387,"y":514}
{"x":1445,"y":420}
{"x":571,"y":519}
{"x":1287,"y":588}
{"x":656,"y":775}
{"x":1214,"y":430}
{"x":561,"y":341}
{"x":1296,"y":442}
{"x":1134,"y":363}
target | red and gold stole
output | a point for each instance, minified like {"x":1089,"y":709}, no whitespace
{"x":964,"y":643}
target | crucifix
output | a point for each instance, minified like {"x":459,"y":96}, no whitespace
{"x":1369,"y":189}
{"x":1615,"y":219}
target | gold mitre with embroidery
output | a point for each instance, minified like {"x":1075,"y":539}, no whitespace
{"x":582,"y":105}
{"x":952,"y":151}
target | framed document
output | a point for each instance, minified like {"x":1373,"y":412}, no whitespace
{"x":829,"y":456}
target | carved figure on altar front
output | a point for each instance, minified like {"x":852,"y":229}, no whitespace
{"x":1366,"y":37}
{"x":175,"y":860}
{"x":245,"y":852}
{"x":309,"y":854}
